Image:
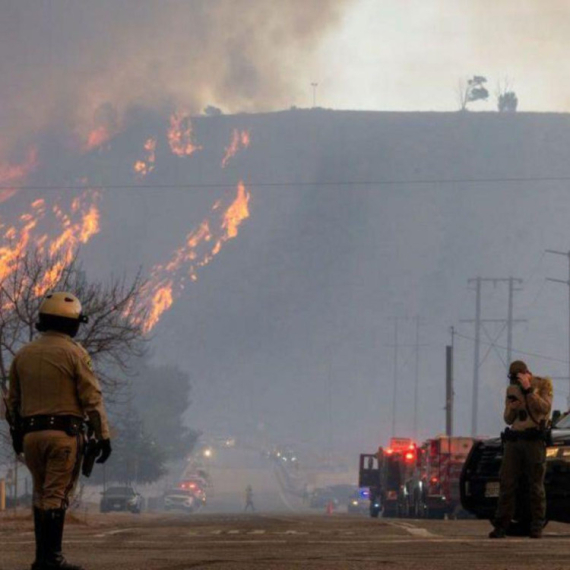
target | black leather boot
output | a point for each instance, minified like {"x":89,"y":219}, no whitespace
{"x":536,"y":529}
{"x":53,"y":529}
{"x":498,"y":532}
{"x":39,"y":534}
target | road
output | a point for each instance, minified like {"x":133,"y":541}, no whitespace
{"x":284,"y":542}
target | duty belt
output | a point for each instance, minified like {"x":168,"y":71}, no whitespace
{"x":532,"y":434}
{"x":71,"y":425}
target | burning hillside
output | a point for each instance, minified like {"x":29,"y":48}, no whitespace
{"x":57,"y":225}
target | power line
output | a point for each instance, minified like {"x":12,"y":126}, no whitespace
{"x":357,"y":183}
{"x":533,"y":354}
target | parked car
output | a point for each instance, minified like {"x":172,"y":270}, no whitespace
{"x":121,"y":499}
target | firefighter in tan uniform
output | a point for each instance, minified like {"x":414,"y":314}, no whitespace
{"x":53,"y":391}
{"x":527,"y":410}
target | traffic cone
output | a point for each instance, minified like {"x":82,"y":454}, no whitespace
{"x":330,"y":508}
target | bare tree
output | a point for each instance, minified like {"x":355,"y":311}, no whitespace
{"x":507,"y":100}
{"x":471,"y":90}
{"x":113,"y":336}
{"x":115,"y":308}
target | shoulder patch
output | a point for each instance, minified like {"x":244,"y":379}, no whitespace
{"x":84,"y":355}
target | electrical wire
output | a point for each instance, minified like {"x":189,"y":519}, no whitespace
{"x":290,"y":184}
{"x":526,"y":353}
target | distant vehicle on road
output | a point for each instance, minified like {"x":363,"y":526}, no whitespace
{"x":121,"y":499}
{"x":343,"y":493}
{"x":359,"y":502}
{"x":184,"y":499}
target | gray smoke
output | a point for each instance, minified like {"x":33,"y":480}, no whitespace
{"x":66,"y":62}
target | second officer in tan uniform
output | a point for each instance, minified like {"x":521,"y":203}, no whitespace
{"x":52,"y":392}
{"x":527,"y":410}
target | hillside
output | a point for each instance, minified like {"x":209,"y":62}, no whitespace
{"x":301,"y":299}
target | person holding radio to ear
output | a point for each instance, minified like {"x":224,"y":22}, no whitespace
{"x":528,"y":404}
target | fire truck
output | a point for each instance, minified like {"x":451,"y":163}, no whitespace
{"x":386,"y":473}
{"x":433,"y":489}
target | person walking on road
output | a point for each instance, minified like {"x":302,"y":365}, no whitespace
{"x":527,"y":410}
{"x":53,"y":390}
{"x":249,"y":499}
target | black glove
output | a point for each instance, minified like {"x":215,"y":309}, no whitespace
{"x":105,"y":449}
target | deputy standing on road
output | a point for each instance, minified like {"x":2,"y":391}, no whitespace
{"x":53,"y":390}
{"x":527,"y":409}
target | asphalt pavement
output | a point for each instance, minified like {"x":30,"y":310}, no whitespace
{"x":280,"y":541}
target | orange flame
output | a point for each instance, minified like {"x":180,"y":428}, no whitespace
{"x":240,"y":140}
{"x":16,"y":240}
{"x":144,"y":167}
{"x":161,"y":301}
{"x":180,"y":135}
{"x":63,"y":247}
{"x":200,"y":247}
{"x":97,"y":138}
{"x":10,"y":173}
{"x":60,"y":250}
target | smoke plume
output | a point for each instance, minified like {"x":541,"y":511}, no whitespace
{"x":81,"y":64}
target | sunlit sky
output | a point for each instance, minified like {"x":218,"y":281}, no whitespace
{"x":411,"y":54}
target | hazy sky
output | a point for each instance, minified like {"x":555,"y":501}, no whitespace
{"x":410,"y":54}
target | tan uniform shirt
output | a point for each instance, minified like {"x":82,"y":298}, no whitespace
{"x":53,"y":376}
{"x":537,"y":404}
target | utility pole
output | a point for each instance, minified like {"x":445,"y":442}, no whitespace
{"x":395,"y":387}
{"x":479,"y":325}
{"x":314,"y":86}
{"x":565,"y":254}
{"x":476,"y":360}
{"x":449,"y":393}
{"x":417,"y":347}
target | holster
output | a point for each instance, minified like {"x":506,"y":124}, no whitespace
{"x":17,"y":436}
{"x":90,"y":453}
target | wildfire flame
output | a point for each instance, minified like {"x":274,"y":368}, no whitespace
{"x":200,"y":247}
{"x":78,"y":225}
{"x":17,"y":239}
{"x":180,"y":135}
{"x":63,"y":247}
{"x":146,"y":166}
{"x":80,"y":221}
{"x":11,"y":173}
{"x":97,"y":138}
{"x":240,"y":140}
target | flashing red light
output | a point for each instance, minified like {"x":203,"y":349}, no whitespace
{"x":412,"y":446}
{"x":434,"y":479}
{"x":192,"y":486}
{"x":410,"y":456}
{"x":389,"y":451}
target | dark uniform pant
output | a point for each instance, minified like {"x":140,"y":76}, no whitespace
{"x":527,"y":460}
{"x":54,"y":460}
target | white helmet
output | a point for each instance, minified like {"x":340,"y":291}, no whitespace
{"x":62,"y":304}
{"x":62,"y":312}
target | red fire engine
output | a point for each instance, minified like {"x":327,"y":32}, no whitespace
{"x":433,"y":490}
{"x":386,"y":473}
